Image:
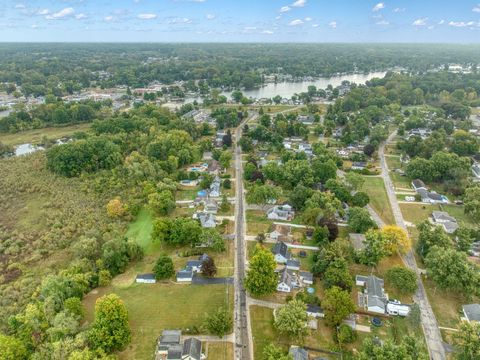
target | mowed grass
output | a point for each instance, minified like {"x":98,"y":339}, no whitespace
{"x":416,"y":213}
{"x":141,"y":231}
{"x":35,"y":136}
{"x":219,"y":351}
{"x":375,"y":188}
{"x":155,"y":307}
{"x":257,"y":222}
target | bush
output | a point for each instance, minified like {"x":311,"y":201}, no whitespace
{"x":345,"y":334}
{"x":163,"y":268}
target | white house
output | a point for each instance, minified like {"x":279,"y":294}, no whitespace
{"x":443,"y":219}
{"x":207,"y":220}
{"x":281,"y":253}
{"x":315,"y":311}
{"x":184,"y":276}
{"x":281,"y":212}
{"x":280,"y":232}
{"x":306,"y":277}
{"x":432,"y":197}
{"x":359,"y":165}
{"x":215,"y":188}
{"x":374,"y":298}
{"x":287,"y":281}
{"x":145,"y":279}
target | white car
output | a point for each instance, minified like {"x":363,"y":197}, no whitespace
{"x":410,"y":198}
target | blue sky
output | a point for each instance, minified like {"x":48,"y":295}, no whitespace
{"x":240,"y":21}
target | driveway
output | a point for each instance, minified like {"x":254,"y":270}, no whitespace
{"x":201,"y":280}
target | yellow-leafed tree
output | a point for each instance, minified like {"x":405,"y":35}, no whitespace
{"x":396,"y":239}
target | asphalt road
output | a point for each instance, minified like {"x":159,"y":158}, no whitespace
{"x":243,"y":348}
{"x":432,"y":333}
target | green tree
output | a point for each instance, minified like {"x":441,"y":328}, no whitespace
{"x":74,"y":306}
{"x":164,"y":268}
{"x":359,"y":220}
{"x":402,"y":279}
{"x":219,"y":323}
{"x":360,"y":199}
{"x":337,"y":274}
{"x":375,"y":248}
{"x":261,"y":276}
{"x":262,"y":194}
{"x":291,"y":319}
{"x":345,"y":334}
{"x":472,"y":201}
{"x":11,"y":348}
{"x":324,"y":171}
{"x":430,"y":235}
{"x":355,"y":181}
{"x":162,"y":203}
{"x":271,"y":352}
{"x":110,"y":330}
{"x":337,"y":304}
{"x":467,"y":341}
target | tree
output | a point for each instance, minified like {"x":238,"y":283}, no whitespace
{"x":261,"y":277}
{"x":337,"y":304}
{"x":450,"y":269}
{"x":225,"y":159}
{"x":464,"y":238}
{"x":104,"y":277}
{"x":402,"y":279}
{"x":388,"y":351}
{"x":374,"y":249}
{"x":262,"y":194}
{"x":430,"y":235}
{"x":164,"y":268}
{"x":110,"y":330}
{"x":396,"y":239}
{"x":472,"y":201}
{"x":224,"y":205}
{"x":219,"y":323}
{"x":337,"y":274}
{"x":271,"y":352}
{"x":359,"y":220}
{"x":324,"y":171}
{"x":467,"y":341}
{"x":345,"y":334}
{"x":11,"y":348}
{"x":208,"y":267}
{"x":320,"y":235}
{"x":291,"y":319}
{"x":355,"y":181}
{"x":162,"y":203}
{"x":115,"y":208}
{"x":360,"y":199}
{"x":74,"y":306}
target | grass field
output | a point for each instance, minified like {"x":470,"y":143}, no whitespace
{"x":35,"y":136}
{"x":220,"y":351}
{"x":140,"y":231}
{"x":155,"y":307}
{"x":375,"y":188}
{"x":257,"y":222}
{"x":416,"y":213}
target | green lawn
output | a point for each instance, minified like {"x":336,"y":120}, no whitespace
{"x":35,"y":136}
{"x":257,"y":222}
{"x":375,"y":188}
{"x":155,"y":307}
{"x":416,"y":213}
{"x":141,"y":229}
{"x":220,"y":351}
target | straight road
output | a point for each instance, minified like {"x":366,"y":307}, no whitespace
{"x":243,"y":343}
{"x":433,"y":336}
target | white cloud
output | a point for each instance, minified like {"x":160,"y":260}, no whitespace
{"x":278,"y":17}
{"x":399,"y":10}
{"x":284,"y":9}
{"x":61,"y":14}
{"x":382,"y":22}
{"x":431,"y":27}
{"x":315,"y":25}
{"x":182,"y":20}
{"x":295,"y":22}
{"x":267,"y":32}
{"x":299,"y":3}
{"x":463,"y":24}
{"x":476,"y":8}
{"x":420,"y":22}
{"x":441,"y":22}
{"x":80,"y":16}
{"x":379,"y":7}
{"x":34,"y":26}
{"x":308,"y":18}
{"x":332,"y":24}
{"x":43,"y":12}
{"x":210,"y":16}
{"x":147,"y":16}
{"x":20,"y":6}
{"x":250,"y":28}
{"x":109,"y":18}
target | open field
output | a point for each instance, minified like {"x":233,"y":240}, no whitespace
{"x":35,"y":136}
{"x":220,"y":351}
{"x":375,"y":188}
{"x":257,"y":222}
{"x":155,"y":307}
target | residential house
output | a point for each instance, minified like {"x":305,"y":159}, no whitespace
{"x":305,"y":119}
{"x":196,"y":265}
{"x":418,"y":184}
{"x":359,"y":165}
{"x":207,"y":220}
{"x":293,"y":264}
{"x":215,"y":188}
{"x":168,"y":345}
{"x":192,"y":349}
{"x":476,"y":172}
{"x":281,"y":212}
{"x":432,"y":197}
{"x":145,"y":278}
{"x":287,"y":144}
{"x":357,"y":241}
{"x":373,"y":298}
{"x":219,"y":138}
{"x":184,"y":275}
{"x":298,"y":353}
{"x":288,"y":281}
{"x":211,"y":206}
{"x":281,"y":252}
{"x":306,"y":148}
{"x":306,"y":278}
{"x":280,"y":232}
{"x":315,"y":311}
{"x":443,"y":219}
{"x":213,"y":167}
{"x":471,"y":312}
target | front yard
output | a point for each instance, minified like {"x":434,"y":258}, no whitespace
{"x":375,"y":188}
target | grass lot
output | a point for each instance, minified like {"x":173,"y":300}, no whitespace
{"x":393,"y":162}
{"x":187,"y":193}
{"x":220,"y":351}
{"x":140,"y":231}
{"x":35,"y":136}
{"x":257,"y":222}
{"x":375,"y":188}
{"x":399,"y":181}
{"x":416,"y":213}
{"x":155,"y":307}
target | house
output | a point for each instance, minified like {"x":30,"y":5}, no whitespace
{"x":443,"y":219}
{"x":168,"y":345}
{"x":196,"y":265}
{"x":315,"y":311}
{"x":281,"y":212}
{"x":207,"y":220}
{"x":373,"y":298}
{"x":357,"y":241}
{"x":219,"y":138}
{"x":359,"y":165}
{"x":215,"y":188}
{"x":305,"y":119}
{"x":421,"y":132}
{"x":280,"y":232}
{"x":184,"y":275}
{"x":192,"y":349}
{"x":213,"y":167}
{"x":288,"y":281}
{"x":287,"y":144}
{"x":306,"y":277}
{"x":476,"y":171}
{"x":298,"y":353}
{"x":306,"y":148}
{"x":471,"y":312}
{"x":281,"y":253}
{"x":396,"y":308}
{"x":145,"y":278}
{"x":432,"y":197}
{"x":293,"y":264}
{"x":211,"y":206}
{"x":418,"y":184}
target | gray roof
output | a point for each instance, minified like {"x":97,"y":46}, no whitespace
{"x":442,"y":215}
{"x":293,"y":263}
{"x":170,"y":337}
{"x":450,"y":226}
{"x":194,"y":263}
{"x":174,"y":352}
{"x":281,"y":248}
{"x":417,"y":183}
{"x":314,"y":309}
{"x":146,"y":276}
{"x":184,"y":274}
{"x":472,"y":312}
{"x":286,"y":277}
{"x":298,"y":353}
{"x":193,"y":348}
{"x":376,"y":295}
{"x":306,"y":275}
